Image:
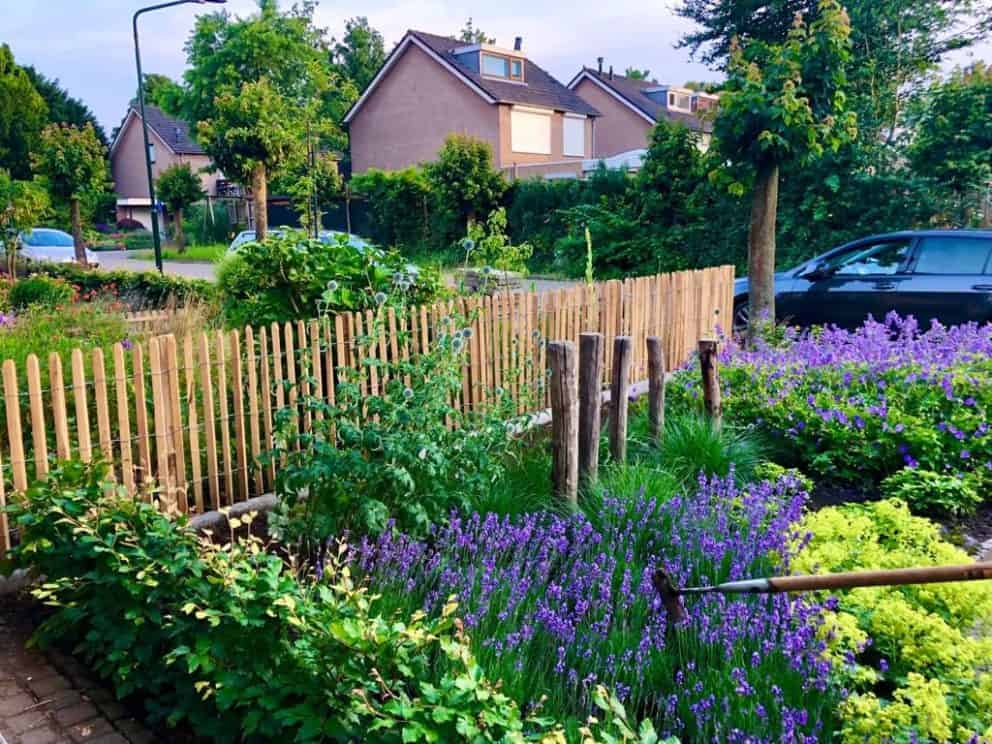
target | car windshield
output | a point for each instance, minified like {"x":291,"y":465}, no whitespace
{"x":46,"y":238}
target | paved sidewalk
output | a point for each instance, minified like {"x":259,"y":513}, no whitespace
{"x":51,"y":699}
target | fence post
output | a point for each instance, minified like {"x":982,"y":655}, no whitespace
{"x":590,"y":404}
{"x":711,"y":381}
{"x":656,"y":387}
{"x":622,"y":352}
{"x":564,"y":420}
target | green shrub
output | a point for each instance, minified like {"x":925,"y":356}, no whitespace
{"x":287,"y":277}
{"x":399,"y":207}
{"x":138,"y":240}
{"x":376,"y":457}
{"x":488,"y":245}
{"x":928,"y":492}
{"x":924,"y":675}
{"x":204,"y":225}
{"x":138,"y":289}
{"x":40,"y":290}
{"x":228,"y":640}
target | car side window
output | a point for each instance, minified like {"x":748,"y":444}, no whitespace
{"x":875,"y":258}
{"x":952,"y":255}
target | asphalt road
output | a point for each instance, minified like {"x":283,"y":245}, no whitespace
{"x":116,"y":261}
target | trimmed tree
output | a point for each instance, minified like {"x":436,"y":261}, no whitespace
{"x":22,"y":205}
{"x":179,"y":187}
{"x":782,"y":103}
{"x":73,"y":161}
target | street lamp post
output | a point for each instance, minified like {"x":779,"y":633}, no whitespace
{"x":156,"y":238}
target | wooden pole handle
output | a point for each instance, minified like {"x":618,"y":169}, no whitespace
{"x":892,"y":577}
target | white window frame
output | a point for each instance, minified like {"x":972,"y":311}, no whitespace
{"x":518,"y":134}
{"x":573,"y":119}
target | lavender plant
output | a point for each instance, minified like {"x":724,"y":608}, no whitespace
{"x":859,"y":406}
{"x":556,"y":605}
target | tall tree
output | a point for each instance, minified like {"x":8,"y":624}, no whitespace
{"x":360,"y":53}
{"x":464,"y":183}
{"x":179,"y":187}
{"x":23,"y":114}
{"x":164,"y":92}
{"x":637,"y":74}
{"x":952,"y":132}
{"x":74,"y":162}
{"x":782,"y":103}
{"x":252,"y":86}
{"x":63,"y":108}
{"x":470,"y":34}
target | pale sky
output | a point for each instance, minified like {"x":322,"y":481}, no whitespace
{"x":87,"y":44}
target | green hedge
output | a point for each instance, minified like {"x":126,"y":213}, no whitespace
{"x":139,"y":289}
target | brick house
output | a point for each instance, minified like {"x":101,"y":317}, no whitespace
{"x":432,"y":86}
{"x":629,"y":109}
{"x":170,"y":143}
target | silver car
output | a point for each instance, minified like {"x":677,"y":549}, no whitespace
{"x":46,"y":244}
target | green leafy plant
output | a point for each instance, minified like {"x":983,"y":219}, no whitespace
{"x":403,"y":453}
{"x":289,"y":276}
{"x":491,"y":247}
{"x":137,"y":289}
{"x":41,"y":291}
{"x":179,"y":187}
{"x":924,"y":672}
{"x":230,"y":641}
{"x":934,"y":493}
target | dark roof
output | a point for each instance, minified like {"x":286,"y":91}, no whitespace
{"x":632,"y":91}
{"x":540,"y":89}
{"x":175,"y":132}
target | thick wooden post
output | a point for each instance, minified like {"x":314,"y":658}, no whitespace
{"x":590,"y":404}
{"x":656,"y":387}
{"x":564,"y":420}
{"x":711,"y":380}
{"x":623,"y":350}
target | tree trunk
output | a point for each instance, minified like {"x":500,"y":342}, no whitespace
{"x":761,"y":251}
{"x":77,"y":231}
{"x":260,"y":193}
{"x":180,"y":235}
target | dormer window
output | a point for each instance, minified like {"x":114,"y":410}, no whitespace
{"x":498,"y":66}
{"x":679,"y":101}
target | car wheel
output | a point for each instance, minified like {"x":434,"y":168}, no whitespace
{"x":742,"y":312}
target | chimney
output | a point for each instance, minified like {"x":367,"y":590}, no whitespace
{"x":599,"y":60}
{"x":611,"y":72}
{"x":518,"y":43}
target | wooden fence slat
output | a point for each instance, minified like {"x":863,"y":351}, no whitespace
{"x":141,"y":417}
{"x":225,"y":427}
{"x":192,"y":418}
{"x":266,"y":383}
{"x":239,"y":415}
{"x":82,"y":406}
{"x":160,"y":418}
{"x":292,"y":389}
{"x":123,"y":418}
{"x":316,"y":368}
{"x":39,"y":436}
{"x":209,"y":423}
{"x":253,"y":426}
{"x":14,"y":431}
{"x":60,"y":419}
{"x":177,"y":449}
{"x":102,"y":407}
{"x":306,"y":372}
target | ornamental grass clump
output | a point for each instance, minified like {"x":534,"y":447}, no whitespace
{"x":556,"y":605}
{"x":857,"y":406}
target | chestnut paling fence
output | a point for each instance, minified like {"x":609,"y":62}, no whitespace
{"x":184,"y":421}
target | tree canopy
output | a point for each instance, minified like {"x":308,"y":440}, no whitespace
{"x":63,"y":108}
{"x":472,"y":34}
{"x":637,"y":74}
{"x":360,"y":53}
{"x":23,"y":114}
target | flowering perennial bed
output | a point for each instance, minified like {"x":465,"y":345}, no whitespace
{"x":859,"y":406}
{"x":555,"y":605}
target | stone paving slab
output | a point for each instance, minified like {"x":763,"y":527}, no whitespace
{"x":51,"y":698}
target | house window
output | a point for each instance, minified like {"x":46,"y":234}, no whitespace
{"x":530,"y":131}
{"x":679,"y":101}
{"x":151,"y":152}
{"x":574,"y":135}
{"x":494,"y":65}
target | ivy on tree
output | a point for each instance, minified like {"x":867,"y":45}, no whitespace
{"x":179,"y":187}
{"x":782,"y":103}
{"x":74,"y":162}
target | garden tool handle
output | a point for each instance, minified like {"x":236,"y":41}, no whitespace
{"x":891,"y":577}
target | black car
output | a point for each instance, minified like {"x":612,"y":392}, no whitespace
{"x":942,"y":274}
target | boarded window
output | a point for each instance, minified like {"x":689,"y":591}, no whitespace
{"x":574,"y":136}
{"x":530,"y":131}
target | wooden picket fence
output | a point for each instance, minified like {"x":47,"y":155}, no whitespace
{"x":184,"y":421}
